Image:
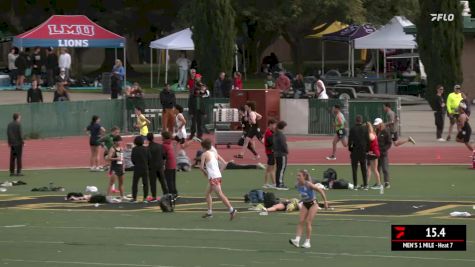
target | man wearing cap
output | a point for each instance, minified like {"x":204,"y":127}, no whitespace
{"x":385,"y":142}
{"x":453,"y":102}
{"x":196,"y":107}
{"x":51,"y":66}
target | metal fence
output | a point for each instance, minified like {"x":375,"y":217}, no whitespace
{"x":61,"y":118}
{"x":321,"y":118}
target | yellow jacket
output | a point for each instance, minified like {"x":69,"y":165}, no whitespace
{"x":453,"y":102}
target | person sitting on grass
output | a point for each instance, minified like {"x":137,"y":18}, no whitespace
{"x":183,"y":161}
{"x":287,"y":205}
{"x":231,"y":165}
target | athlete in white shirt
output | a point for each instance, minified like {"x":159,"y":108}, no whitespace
{"x":210,"y":168}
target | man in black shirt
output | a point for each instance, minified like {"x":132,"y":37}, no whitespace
{"x":439,"y":113}
{"x":358,"y":144}
{"x":156,"y":167}
{"x":51,"y":67}
{"x":168,"y":101}
{"x":15,"y":141}
{"x":34,"y":94}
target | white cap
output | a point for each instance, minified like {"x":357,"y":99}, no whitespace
{"x":377,"y":121}
{"x":91,"y":189}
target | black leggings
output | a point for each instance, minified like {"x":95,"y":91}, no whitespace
{"x":15,"y":156}
{"x":361,"y":159}
{"x":234,"y":166}
{"x":154,"y":174}
{"x":170,"y":176}
{"x":135,"y":182}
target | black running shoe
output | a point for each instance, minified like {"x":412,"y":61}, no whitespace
{"x":207,"y":216}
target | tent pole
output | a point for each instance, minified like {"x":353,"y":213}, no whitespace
{"x":384,"y":55}
{"x":126,"y":128}
{"x":115,"y":53}
{"x":352,"y":59}
{"x":151,"y":68}
{"x":166,"y":66}
{"x":323,"y":58}
{"x":412,"y":60}
{"x":244,"y":62}
{"x":377,"y":63}
{"x":159,"y":66}
{"x":349,"y":59}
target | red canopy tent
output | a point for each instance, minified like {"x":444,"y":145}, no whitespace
{"x":70,"y":31}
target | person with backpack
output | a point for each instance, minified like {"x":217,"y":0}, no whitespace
{"x":281,"y":151}
{"x":210,"y":168}
{"x":140,"y":159}
{"x":309,"y":207}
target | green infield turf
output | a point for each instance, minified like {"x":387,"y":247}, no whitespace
{"x":42,"y":229}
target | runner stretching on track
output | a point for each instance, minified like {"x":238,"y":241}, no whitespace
{"x":340,"y":136}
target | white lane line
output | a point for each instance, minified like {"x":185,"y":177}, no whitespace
{"x":14,"y":226}
{"x":193,"y":247}
{"x":388,"y":256}
{"x":237,"y":265}
{"x":86,"y":263}
{"x":188,"y":229}
{"x":33,"y":241}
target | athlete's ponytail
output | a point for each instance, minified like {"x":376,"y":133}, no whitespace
{"x":94,"y":119}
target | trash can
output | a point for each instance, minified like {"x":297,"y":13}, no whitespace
{"x":106,"y":82}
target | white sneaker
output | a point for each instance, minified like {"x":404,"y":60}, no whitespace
{"x":263,"y":213}
{"x":261,"y":166}
{"x":265,"y":186}
{"x":306,"y":245}
{"x":441,"y":140}
{"x":331,"y":158}
{"x":294,"y":242}
{"x":196,"y":139}
{"x":377,"y":187}
{"x":411,"y":140}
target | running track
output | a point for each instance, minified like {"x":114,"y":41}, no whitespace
{"x":70,"y":152}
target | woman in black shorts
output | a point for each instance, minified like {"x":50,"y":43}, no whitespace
{"x":252,"y":129}
{"x":464,"y":129}
{"x":116,"y":157}
{"x":95,"y":131}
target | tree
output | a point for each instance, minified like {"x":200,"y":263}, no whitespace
{"x":440,"y":45}
{"x":214,"y":35}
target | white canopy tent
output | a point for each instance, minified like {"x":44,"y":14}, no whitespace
{"x":177,"y":41}
{"x":390,"y":36}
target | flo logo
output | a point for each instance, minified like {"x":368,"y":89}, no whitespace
{"x":442,"y":17}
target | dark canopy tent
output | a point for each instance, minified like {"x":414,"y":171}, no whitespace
{"x":70,"y":31}
{"x":347,"y":35}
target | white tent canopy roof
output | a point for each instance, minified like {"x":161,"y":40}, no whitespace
{"x":177,"y":41}
{"x":390,"y":36}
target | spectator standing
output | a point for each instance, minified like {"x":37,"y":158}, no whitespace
{"x":392,"y":122}
{"x":191,"y":80}
{"x":22,"y":64}
{"x":453,"y":102}
{"x":373,"y":157}
{"x":64,"y":62}
{"x":196,"y":107}
{"x":170,"y":163}
{"x":34,"y":94}
{"x":15,"y":141}
{"x":321,"y":90}
{"x":168,"y":101}
{"x":140,"y":159}
{"x":60,"y":94}
{"x":156,"y":167}
{"x":183,"y":64}
{"x":37,"y":64}
{"x":298,"y":86}
{"x":51,"y":67}
{"x":95,"y":130}
{"x":281,"y":151}
{"x":237,"y":82}
{"x":269,"y":177}
{"x":218,"y":85}
{"x":13,"y":70}
{"x":119,"y":71}
{"x":270,"y":82}
{"x":115,"y":85}
{"x":439,"y":113}
{"x":282,"y":83}
{"x":358,"y":145}
{"x":385,"y":142}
